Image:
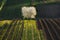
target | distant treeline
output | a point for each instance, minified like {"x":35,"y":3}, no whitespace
{"x":43,"y":11}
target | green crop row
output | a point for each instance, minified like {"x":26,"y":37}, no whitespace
{"x":21,"y":30}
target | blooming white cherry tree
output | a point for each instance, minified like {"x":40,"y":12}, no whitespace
{"x":29,"y":12}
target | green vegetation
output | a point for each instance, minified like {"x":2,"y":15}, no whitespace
{"x":5,"y":21}
{"x":13,"y":30}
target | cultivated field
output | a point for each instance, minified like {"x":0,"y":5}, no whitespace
{"x":20,"y":30}
{"x":42,"y":29}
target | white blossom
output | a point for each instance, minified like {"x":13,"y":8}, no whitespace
{"x":28,"y":12}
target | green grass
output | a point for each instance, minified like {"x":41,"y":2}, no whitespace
{"x":30,"y":31}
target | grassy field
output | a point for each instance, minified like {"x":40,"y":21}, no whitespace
{"x":20,"y":30}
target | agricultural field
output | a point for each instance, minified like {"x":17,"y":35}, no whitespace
{"x":20,"y":30}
